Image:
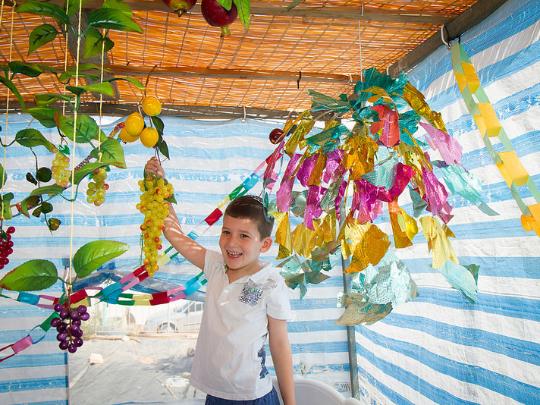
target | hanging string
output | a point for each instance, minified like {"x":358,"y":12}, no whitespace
{"x":101,"y":99}
{"x":66,"y":29}
{"x":6,"y":130}
{"x":75,"y":115}
{"x":360,"y":44}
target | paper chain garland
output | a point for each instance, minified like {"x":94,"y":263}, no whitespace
{"x":375,"y":162}
{"x":114,"y":293}
{"x":514,"y":173}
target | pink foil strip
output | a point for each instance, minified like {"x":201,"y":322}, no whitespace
{"x":436,"y":196}
{"x":283,"y":195}
{"x":305,"y":170}
{"x":448,"y":147}
{"x":313,"y":208}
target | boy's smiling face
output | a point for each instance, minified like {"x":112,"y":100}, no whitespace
{"x":241,"y":244}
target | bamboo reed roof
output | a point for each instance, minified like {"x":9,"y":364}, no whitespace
{"x":319,"y":45}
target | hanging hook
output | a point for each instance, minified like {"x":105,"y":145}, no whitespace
{"x":244,"y":118}
{"x":298,"y":80}
{"x":445,"y":36}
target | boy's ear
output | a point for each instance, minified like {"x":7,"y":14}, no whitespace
{"x":266,"y":244}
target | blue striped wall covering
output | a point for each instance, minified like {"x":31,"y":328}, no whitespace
{"x":440,"y":348}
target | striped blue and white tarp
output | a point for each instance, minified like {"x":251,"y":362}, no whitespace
{"x":440,"y":348}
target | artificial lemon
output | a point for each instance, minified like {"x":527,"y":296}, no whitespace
{"x":149,"y":137}
{"x":134,"y":124}
{"x":127,"y":137}
{"x":151,"y":106}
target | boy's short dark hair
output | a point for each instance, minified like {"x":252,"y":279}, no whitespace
{"x":252,"y":207}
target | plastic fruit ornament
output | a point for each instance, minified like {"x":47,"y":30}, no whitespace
{"x":276,"y":135}
{"x":180,"y":6}
{"x":134,"y":124}
{"x":149,"y":137}
{"x":6,"y":245}
{"x":217,"y":16}
{"x":126,"y":137}
{"x":59,"y":169}
{"x":151,"y":106}
{"x":68,"y":326}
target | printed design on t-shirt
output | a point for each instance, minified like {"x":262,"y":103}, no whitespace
{"x":252,"y":292}
{"x":264,"y":370}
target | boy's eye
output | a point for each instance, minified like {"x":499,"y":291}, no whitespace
{"x":243,"y":235}
{"x":225,"y":232}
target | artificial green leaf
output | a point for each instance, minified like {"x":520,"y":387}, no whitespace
{"x":88,"y":168}
{"x":3,"y":176}
{"x":51,"y":190}
{"x":95,"y":254}
{"x":44,"y":174}
{"x":73,"y":6}
{"x":111,"y":153}
{"x":5,"y":202}
{"x":33,"y":275}
{"x":53,"y":223}
{"x":87,"y":128}
{"x":244,"y":12}
{"x":102,"y":88}
{"x":113,"y":19}
{"x":77,"y":90}
{"x":37,"y":212}
{"x":118,"y":5}
{"x":27,"y":69}
{"x":474,"y":269}
{"x":40,"y":36}
{"x":171,"y":199}
{"x":45,"y":115}
{"x":31,"y":179}
{"x":226,"y":4}
{"x":163,"y":148}
{"x":158,"y":124}
{"x":46,"y":207}
{"x":131,"y":80}
{"x":94,"y":43}
{"x":27,"y":204}
{"x":31,"y":137}
{"x":45,"y":99}
{"x":11,"y":86}
{"x":42,"y":8}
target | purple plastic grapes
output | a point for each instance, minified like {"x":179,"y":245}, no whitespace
{"x":68,"y":326}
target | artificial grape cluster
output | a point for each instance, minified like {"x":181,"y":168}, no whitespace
{"x":155,"y":208}
{"x":59,"y":168}
{"x":96,"y":189}
{"x":68,"y":326}
{"x":6,"y":245}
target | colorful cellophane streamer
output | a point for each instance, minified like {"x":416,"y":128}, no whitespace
{"x":507,"y":161}
{"x":339,"y":180}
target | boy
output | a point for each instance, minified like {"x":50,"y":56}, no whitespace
{"x":246,"y":301}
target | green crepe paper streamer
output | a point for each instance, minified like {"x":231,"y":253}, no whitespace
{"x":460,"y":181}
{"x":322,"y":102}
{"x":408,"y":124}
{"x":461,"y":279}
{"x":419,"y":205}
{"x":383,"y":175}
{"x":298,"y":204}
{"x":330,"y":135}
{"x":388,"y":283}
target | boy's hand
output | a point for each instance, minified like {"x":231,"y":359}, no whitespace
{"x":153,"y":166}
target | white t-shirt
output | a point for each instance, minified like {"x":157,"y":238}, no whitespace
{"x":230,"y":357}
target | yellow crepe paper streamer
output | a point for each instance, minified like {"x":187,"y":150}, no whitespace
{"x":512,"y":170}
{"x":438,"y":243}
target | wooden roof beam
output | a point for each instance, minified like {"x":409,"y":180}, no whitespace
{"x":261,"y":8}
{"x":471,"y":17}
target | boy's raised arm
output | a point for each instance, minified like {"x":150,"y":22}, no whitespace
{"x":172,"y":231}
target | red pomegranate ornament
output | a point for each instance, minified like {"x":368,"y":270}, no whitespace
{"x":276,"y":135}
{"x":217,"y":16}
{"x":180,"y":6}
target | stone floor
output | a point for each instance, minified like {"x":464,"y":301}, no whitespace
{"x":134,"y":370}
